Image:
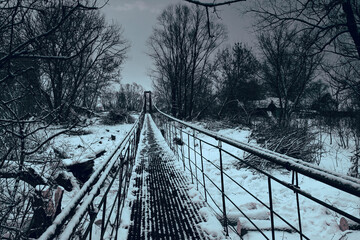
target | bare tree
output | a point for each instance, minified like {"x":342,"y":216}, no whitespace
{"x":344,"y":78}
{"x":334,"y":27}
{"x":130,"y":97}
{"x":97,"y":49}
{"x":181,"y":50}
{"x":288,"y":67}
{"x":238,"y":68}
{"x":25,"y":116}
{"x":333,"y":24}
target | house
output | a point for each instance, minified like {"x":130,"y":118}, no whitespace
{"x":269,"y":105}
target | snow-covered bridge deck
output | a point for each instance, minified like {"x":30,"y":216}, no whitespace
{"x":162,"y":207}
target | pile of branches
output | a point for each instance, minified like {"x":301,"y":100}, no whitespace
{"x":295,"y":142}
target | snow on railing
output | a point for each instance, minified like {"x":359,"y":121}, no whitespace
{"x":121,"y":161}
{"x":175,"y":133}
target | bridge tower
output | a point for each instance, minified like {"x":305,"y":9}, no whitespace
{"x":147,"y":102}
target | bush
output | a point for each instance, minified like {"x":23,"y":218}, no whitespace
{"x":117,"y":117}
{"x":295,"y":142}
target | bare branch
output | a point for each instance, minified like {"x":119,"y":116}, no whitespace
{"x":15,"y":51}
{"x":214,"y":4}
{"x":28,"y":175}
{"x":49,"y":139}
{"x":208,"y":22}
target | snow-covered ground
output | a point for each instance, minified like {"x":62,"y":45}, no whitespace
{"x":85,"y":147}
{"x":335,"y":157}
{"x":317,"y":221}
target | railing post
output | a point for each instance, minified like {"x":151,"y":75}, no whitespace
{"x":192,"y":177}
{"x":196,"y":168}
{"x":119,"y":196}
{"x":223,"y":189}
{"x":271,"y":210}
{"x":175,"y":144}
{"x":129,"y":162}
{"x":202,"y":170}
{"x":170,"y":135}
{"x":174,"y":136}
{"x":92,"y":219}
{"x":182,"y":147}
{"x":133,"y":147}
{"x":166,"y":133}
{"x":297,"y":202}
{"x":103,"y":219}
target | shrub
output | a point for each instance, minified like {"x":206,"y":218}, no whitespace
{"x":295,"y":142}
{"x":117,"y":117}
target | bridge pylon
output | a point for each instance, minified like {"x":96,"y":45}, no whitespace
{"x":147,"y":102}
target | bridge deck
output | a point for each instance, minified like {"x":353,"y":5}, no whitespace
{"x":162,"y":208}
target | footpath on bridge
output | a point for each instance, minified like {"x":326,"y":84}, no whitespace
{"x":162,"y":208}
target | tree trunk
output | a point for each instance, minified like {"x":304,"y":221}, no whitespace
{"x":351,"y":24}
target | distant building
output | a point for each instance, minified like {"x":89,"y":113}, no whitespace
{"x":270,"y":105}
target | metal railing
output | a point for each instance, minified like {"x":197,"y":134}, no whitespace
{"x":101,"y":197}
{"x":184,"y":140}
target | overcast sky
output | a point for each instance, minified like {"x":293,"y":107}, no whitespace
{"x":137,"y":19}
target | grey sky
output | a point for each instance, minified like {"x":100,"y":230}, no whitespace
{"x":138,"y":18}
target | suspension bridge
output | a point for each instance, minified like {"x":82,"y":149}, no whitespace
{"x":167,"y":174}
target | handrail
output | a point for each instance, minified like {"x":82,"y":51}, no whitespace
{"x":174,"y":132}
{"x":346,"y":183}
{"x":91,"y":187}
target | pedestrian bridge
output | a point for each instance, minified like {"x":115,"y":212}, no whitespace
{"x":169,"y":179}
